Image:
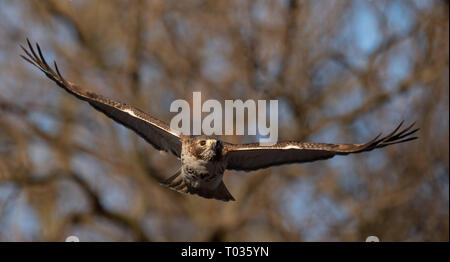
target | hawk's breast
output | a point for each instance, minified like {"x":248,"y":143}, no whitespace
{"x":200,"y":173}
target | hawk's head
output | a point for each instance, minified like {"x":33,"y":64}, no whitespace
{"x":205,"y":148}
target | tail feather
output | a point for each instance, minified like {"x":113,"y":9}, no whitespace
{"x":222,"y":193}
{"x":177,"y":183}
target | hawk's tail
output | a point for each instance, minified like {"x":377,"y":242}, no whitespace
{"x":177,"y":183}
{"x":222,"y":193}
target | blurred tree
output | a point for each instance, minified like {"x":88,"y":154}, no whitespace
{"x":341,"y":70}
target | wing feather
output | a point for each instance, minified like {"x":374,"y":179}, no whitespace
{"x":248,"y":157}
{"x":152,"y":130}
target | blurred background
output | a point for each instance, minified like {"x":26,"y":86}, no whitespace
{"x":342,"y":71}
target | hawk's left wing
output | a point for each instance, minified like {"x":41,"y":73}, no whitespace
{"x":152,"y":130}
{"x":249,"y":157}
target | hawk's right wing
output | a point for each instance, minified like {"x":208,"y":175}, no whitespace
{"x":249,"y":157}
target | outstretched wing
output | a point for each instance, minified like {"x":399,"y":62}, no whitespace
{"x":152,"y":130}
{"x":249,"y":157}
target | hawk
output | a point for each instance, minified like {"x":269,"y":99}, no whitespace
{"x":204,"y":159}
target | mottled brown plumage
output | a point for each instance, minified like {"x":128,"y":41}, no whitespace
{"x":205,"y":159}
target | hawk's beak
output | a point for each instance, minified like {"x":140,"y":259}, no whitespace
{"x":218,"y":146}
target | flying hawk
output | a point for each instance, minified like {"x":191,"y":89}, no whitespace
{"x":205,"y":159}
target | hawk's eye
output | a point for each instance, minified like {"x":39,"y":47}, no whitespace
{"x":203,"y":142}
